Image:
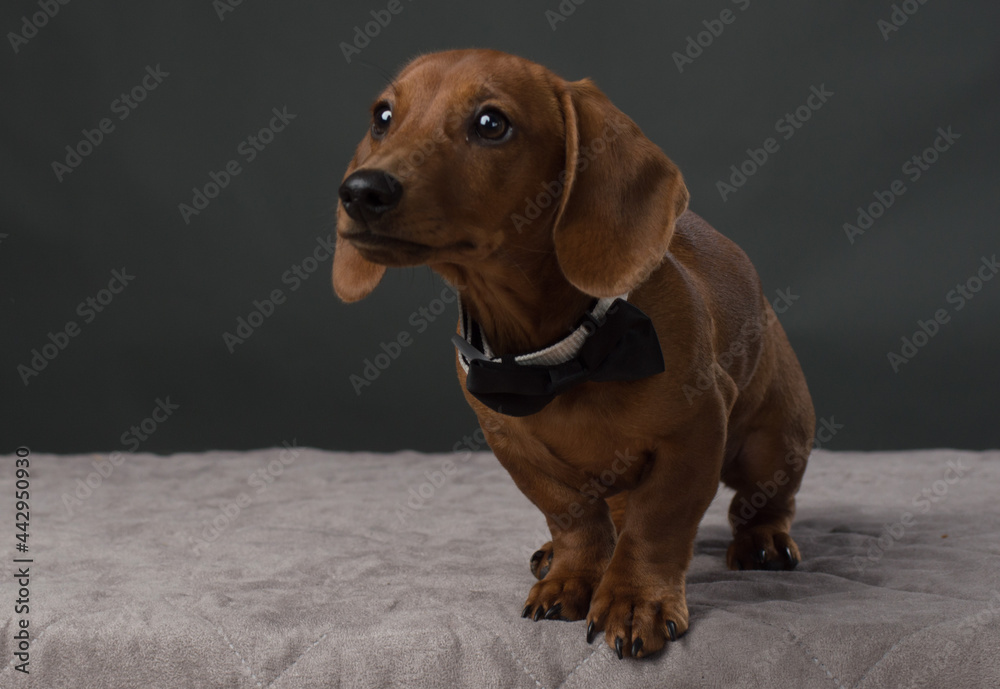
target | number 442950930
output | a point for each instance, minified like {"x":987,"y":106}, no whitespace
{"x":21,"y":495}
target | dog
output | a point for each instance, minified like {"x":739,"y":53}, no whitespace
{"x":619,"y":353}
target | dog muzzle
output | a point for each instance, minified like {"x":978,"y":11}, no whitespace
{"x":614,"y":341}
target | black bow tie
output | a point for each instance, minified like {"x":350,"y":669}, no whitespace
{"x":620,"y":346}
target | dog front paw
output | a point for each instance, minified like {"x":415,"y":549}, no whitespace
{"x":637,"y":620}
{"x":559,"y":598}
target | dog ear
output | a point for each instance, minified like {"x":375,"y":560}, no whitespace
{"x":354,"y":277}
{"x":621,"y":197}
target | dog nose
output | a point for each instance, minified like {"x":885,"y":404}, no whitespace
{"x":368,"y":194}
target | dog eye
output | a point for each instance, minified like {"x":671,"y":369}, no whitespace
{"x":381,"y":119}
{"x":492,"y":125}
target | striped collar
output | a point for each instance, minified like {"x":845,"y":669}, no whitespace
{"x":614,"y":341}
{"x":558,"y":353}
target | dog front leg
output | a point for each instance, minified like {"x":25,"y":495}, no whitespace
{"x":640,"y":602}
{"x":583,"y":539}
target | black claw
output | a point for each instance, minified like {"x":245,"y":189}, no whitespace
{"x":761,"y":556}
{"x":590,"y":632}
{"x":554,"y":611}
{"x":537,"y":557}
{"x":618,"y":647}
{"x":739,"y":565}
{"x":791,"y":559}
{"x":672,"y":630}
{"x":539,"y":612}
{"x":526,"y":611}
{"x":636,"y":647}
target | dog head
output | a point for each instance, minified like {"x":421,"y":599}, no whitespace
{"x":472,"y":153}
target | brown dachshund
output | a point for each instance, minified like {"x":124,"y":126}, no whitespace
{"x":560,"y":222}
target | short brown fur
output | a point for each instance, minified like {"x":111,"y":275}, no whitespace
{"x":731,"y":405}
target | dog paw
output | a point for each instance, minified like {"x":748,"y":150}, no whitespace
{"x":559,"y":598}
{"x":762,"y":547}
{"x":541,"y":561}
{"x":637,"y":622}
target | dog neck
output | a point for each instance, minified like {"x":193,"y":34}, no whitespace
{"x":518,"y":313}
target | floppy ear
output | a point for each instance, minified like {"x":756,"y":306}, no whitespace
{"x":354,"y":277}
{"x":620,"y":200}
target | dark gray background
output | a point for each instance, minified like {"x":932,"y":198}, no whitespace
{"x":162,"y":336}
